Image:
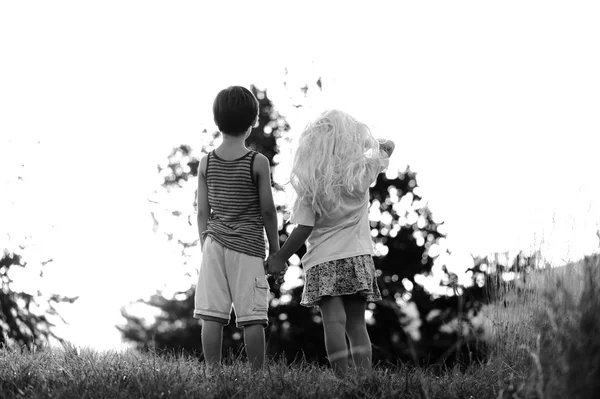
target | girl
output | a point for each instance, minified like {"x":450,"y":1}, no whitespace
{"x":337,"y":160}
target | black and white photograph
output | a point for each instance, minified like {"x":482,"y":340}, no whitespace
{"x":316,"y":199}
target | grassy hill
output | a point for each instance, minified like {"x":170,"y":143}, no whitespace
{"x":545,"y":340}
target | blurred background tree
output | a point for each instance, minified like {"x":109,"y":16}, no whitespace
{"x":27,"y":314}
{"x":409,"y":324}
{"x":25,"y":318}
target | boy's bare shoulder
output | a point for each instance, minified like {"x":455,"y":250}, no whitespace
{"x":261,"y":157}
{"x":262,"y":162}
{"x":202,"y":164}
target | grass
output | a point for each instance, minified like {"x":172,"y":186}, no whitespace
{"x":551,"y":335}
{"x":546,"y":344}
{"x":71,"y":373}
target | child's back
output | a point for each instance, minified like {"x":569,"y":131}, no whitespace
{"x":340,"y":233}
{"x":235,"y":202}
{"x":336,"y":162}
{"x":236,"y":220}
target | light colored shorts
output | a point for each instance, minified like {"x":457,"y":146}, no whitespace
{"x":227,"y":278}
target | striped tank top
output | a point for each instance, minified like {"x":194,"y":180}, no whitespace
{"x":235,"y":220}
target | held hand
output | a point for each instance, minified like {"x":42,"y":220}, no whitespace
{"x":276,"y":266}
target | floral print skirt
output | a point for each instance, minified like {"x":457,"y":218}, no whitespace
{"x":355,"y":275}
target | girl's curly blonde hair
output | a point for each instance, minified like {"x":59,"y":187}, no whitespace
{"x":331,"y":159}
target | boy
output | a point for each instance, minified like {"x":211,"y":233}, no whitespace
{"x":235,"y":202}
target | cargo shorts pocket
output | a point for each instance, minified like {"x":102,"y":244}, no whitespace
{"x":261,"y":293}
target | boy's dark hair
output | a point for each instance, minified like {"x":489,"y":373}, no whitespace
{"x":234,"y":110}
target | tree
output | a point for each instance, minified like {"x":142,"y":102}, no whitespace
{"x":26,"y":313}
{"x":23,"y":316}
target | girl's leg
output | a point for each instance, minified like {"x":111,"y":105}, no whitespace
{"x":212,"y":342}
{"x":334,"y":324}
{"x":356,"y":328}
{"x":254,"y":340}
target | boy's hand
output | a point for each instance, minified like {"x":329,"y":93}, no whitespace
{"x":276,"y":267}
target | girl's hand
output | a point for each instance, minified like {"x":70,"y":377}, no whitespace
{"x":276,"y":267}
{"x":386,"y":146}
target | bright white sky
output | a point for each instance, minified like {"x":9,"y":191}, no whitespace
{"x":495,"y":105}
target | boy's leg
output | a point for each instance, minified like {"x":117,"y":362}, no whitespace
{"x":212,"y":301}
{"x":254,"y":339}
{"x":250,"y":292}
{"x":334,"y":324}
{"x":212,"y":342}
{"x":356,"y":328}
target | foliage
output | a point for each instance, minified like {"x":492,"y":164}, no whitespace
{"x":550,"y":335}
{"x":492,"y":278}
{"x":23,"y":316}
{"x":565,"y":359}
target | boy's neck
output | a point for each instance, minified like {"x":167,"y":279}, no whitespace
{"x":232,"y":146}
{"x":234,"y":141}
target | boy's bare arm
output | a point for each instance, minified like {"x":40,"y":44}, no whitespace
{"x":203,"y":207}
{"x":267,"y":207}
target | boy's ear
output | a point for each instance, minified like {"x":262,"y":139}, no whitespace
{"x":255,"y":125}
